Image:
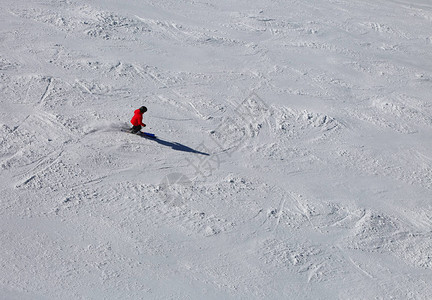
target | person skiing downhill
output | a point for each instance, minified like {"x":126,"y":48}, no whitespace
{"x":137,"y":119}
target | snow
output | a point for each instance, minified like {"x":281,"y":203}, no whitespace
{"x":293,"y":159}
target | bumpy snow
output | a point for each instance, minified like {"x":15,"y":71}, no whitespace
{"x":293,"y":159}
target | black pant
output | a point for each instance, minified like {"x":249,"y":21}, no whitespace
{"x":135,"y":129}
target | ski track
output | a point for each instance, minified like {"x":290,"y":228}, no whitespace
{"x":316,"y":117}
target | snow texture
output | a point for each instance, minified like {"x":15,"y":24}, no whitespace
{"x":293,"y":158}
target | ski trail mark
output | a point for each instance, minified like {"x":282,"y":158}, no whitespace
{"x":33,"y":176}
{"x":41,"y":102}
{"x":83,"y":86}
{"x":280,"y":212}
{"x":357,"y":266}
{"x":46,"y":92}
{"x":304,"y":211}
{"x":196,"y":110}
{"x":314,"y":272}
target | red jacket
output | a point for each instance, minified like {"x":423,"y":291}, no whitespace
{"x":137,"y":118}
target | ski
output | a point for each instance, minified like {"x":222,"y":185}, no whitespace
{"x":142,"y":134}
{"x":148,"y":134}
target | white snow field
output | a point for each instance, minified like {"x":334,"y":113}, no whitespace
{"x":293,"y":159}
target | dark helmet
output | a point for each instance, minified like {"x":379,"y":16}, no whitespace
{"x":143,"y":109}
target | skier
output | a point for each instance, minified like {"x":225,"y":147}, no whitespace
{"x":137,"y":119}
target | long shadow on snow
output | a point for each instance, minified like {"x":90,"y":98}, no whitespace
{"x":175,"y":145}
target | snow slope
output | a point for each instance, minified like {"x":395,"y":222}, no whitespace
{"x":293,"y":160}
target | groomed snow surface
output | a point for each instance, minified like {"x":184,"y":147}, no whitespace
{"x":293,"y":158}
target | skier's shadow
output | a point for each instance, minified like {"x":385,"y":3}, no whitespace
{"x":176,"y":146}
